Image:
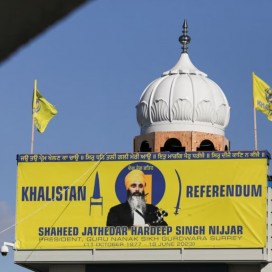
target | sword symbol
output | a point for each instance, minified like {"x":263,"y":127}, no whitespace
{"x":179,"y":195}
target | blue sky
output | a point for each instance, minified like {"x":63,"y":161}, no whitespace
{"x":94,"y":65}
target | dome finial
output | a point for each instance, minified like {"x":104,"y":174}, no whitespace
{"x":184,"y":39}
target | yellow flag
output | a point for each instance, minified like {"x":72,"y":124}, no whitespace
{"x":43,"y":111}
{"x":262,"y":96}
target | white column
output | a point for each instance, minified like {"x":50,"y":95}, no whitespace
{"x":267,"y":268}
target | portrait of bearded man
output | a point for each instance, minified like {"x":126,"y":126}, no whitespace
{"x":135,"y":211}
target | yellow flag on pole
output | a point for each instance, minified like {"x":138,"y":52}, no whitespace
{"x":43,"y":111}
{"x":262,"y":96}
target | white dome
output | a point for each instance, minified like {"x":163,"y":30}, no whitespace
{"x":183,"y":99}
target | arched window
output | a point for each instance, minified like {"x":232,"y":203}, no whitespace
{"x":145,"y":147}
{"x":206,"y":145}
{"x":173,"y":145}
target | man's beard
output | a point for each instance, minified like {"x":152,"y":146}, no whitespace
{"x":137,"y":201}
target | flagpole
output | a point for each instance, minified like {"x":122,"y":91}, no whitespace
{"x":34,"y":102}
{"x":254,"y":116}
{"x":255,"y":130}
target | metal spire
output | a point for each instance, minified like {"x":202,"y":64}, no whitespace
{"x":184,"y":39}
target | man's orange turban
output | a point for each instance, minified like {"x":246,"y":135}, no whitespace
{"x":133,"y":176}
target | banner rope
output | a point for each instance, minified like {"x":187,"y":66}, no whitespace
{"x":45,"y":205}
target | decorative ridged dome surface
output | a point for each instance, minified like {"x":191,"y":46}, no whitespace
{"x":183,"y":99}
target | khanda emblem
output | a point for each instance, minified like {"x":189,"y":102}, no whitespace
{"x":37,"y":105}
{"x":268,"y":96}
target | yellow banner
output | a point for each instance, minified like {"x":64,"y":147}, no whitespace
{"x":182,"y":200}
